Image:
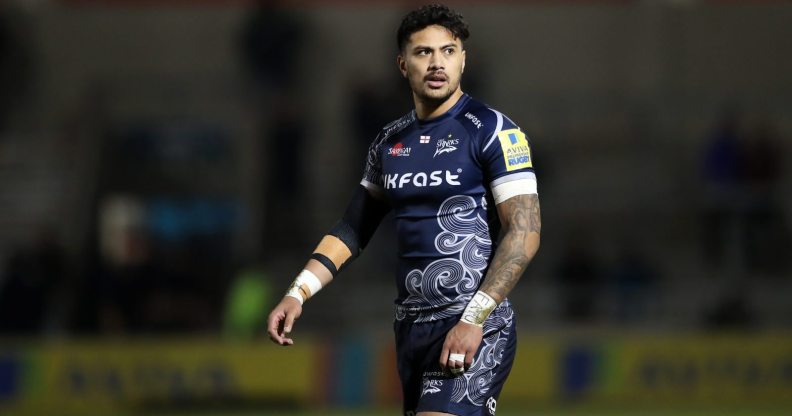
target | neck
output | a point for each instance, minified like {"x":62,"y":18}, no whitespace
{"x":427,"y":110}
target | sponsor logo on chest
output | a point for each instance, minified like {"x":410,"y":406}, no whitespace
{"x":421,"y":179}
{"x":398,"y":149}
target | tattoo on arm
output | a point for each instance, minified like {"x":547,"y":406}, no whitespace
{"x":521,"y":215}
{"x":535,"y":216}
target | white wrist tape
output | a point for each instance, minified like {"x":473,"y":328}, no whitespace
{"x":479,"y":309}
{"x":304,"y":286}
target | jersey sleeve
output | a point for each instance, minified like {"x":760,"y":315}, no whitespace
{"x":507,"y":160}
{"x":372,"y":172}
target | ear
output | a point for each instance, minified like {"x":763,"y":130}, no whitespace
{"x":464,"y":56}
{"x":402,"y":64}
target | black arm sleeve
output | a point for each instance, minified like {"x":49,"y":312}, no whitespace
{"x":362,"y":217}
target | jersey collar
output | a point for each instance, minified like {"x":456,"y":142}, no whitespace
{"x":453,"y":111}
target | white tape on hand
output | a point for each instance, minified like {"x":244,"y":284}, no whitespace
{"x":456,"y":357}
{"x":479,"y":309}
{"x":304,"y":286}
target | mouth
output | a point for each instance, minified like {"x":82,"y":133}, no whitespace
{"x":436,"y":80}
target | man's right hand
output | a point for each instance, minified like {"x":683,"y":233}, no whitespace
{"x":281,"y":320}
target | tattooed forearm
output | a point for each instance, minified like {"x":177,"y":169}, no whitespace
{"x":521,"y":218}
{"x":504,"y":274}
{"x":535,"y":216}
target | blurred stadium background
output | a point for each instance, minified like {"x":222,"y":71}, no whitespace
{"x":167,"y":165}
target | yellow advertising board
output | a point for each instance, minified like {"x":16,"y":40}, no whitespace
{"x":714,"y":369}
{"x":104,"y":377}
{"x":533,"y":377}
{"x":89,"y":377}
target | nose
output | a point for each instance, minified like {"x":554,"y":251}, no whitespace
{"x":436,"y":61}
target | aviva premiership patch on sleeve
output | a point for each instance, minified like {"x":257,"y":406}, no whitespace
{"x":516,"y":151}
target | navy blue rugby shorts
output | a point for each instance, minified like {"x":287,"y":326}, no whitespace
{"x":475,"y":393}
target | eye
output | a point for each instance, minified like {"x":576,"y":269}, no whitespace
{"x":449,"y":51}
{"x":422,"y":52}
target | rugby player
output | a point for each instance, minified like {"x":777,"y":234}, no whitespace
{"x":457,"y":174}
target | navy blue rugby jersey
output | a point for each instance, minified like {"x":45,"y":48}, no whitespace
{"x":438,"y":176}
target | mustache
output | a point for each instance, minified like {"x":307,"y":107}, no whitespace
{"x":436,"y":76}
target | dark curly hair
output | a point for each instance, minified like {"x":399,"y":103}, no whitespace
{"x":431,"y":14}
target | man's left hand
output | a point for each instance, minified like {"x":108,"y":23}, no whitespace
{"x":459,"y":348}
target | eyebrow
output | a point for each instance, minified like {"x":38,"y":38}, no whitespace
{"x":448,"y":45}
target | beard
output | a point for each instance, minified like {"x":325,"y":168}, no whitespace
{"x":434,"y":97}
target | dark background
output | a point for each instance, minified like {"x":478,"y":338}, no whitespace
{"x":166,"y":167}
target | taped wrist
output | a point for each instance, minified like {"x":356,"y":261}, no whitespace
{"x":479,"y":309}
{"x":304,"y":286}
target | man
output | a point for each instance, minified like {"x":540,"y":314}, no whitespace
{"x":456,"y":173}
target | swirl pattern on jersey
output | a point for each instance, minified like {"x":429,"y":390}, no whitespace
{"x":445,"y":286}
{"x":474,"y":383}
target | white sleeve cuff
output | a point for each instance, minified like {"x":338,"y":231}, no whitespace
{"x":520,"y":186}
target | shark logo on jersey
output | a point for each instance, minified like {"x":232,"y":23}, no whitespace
{"x":446,"y":145}
{"x":431,"y":386}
